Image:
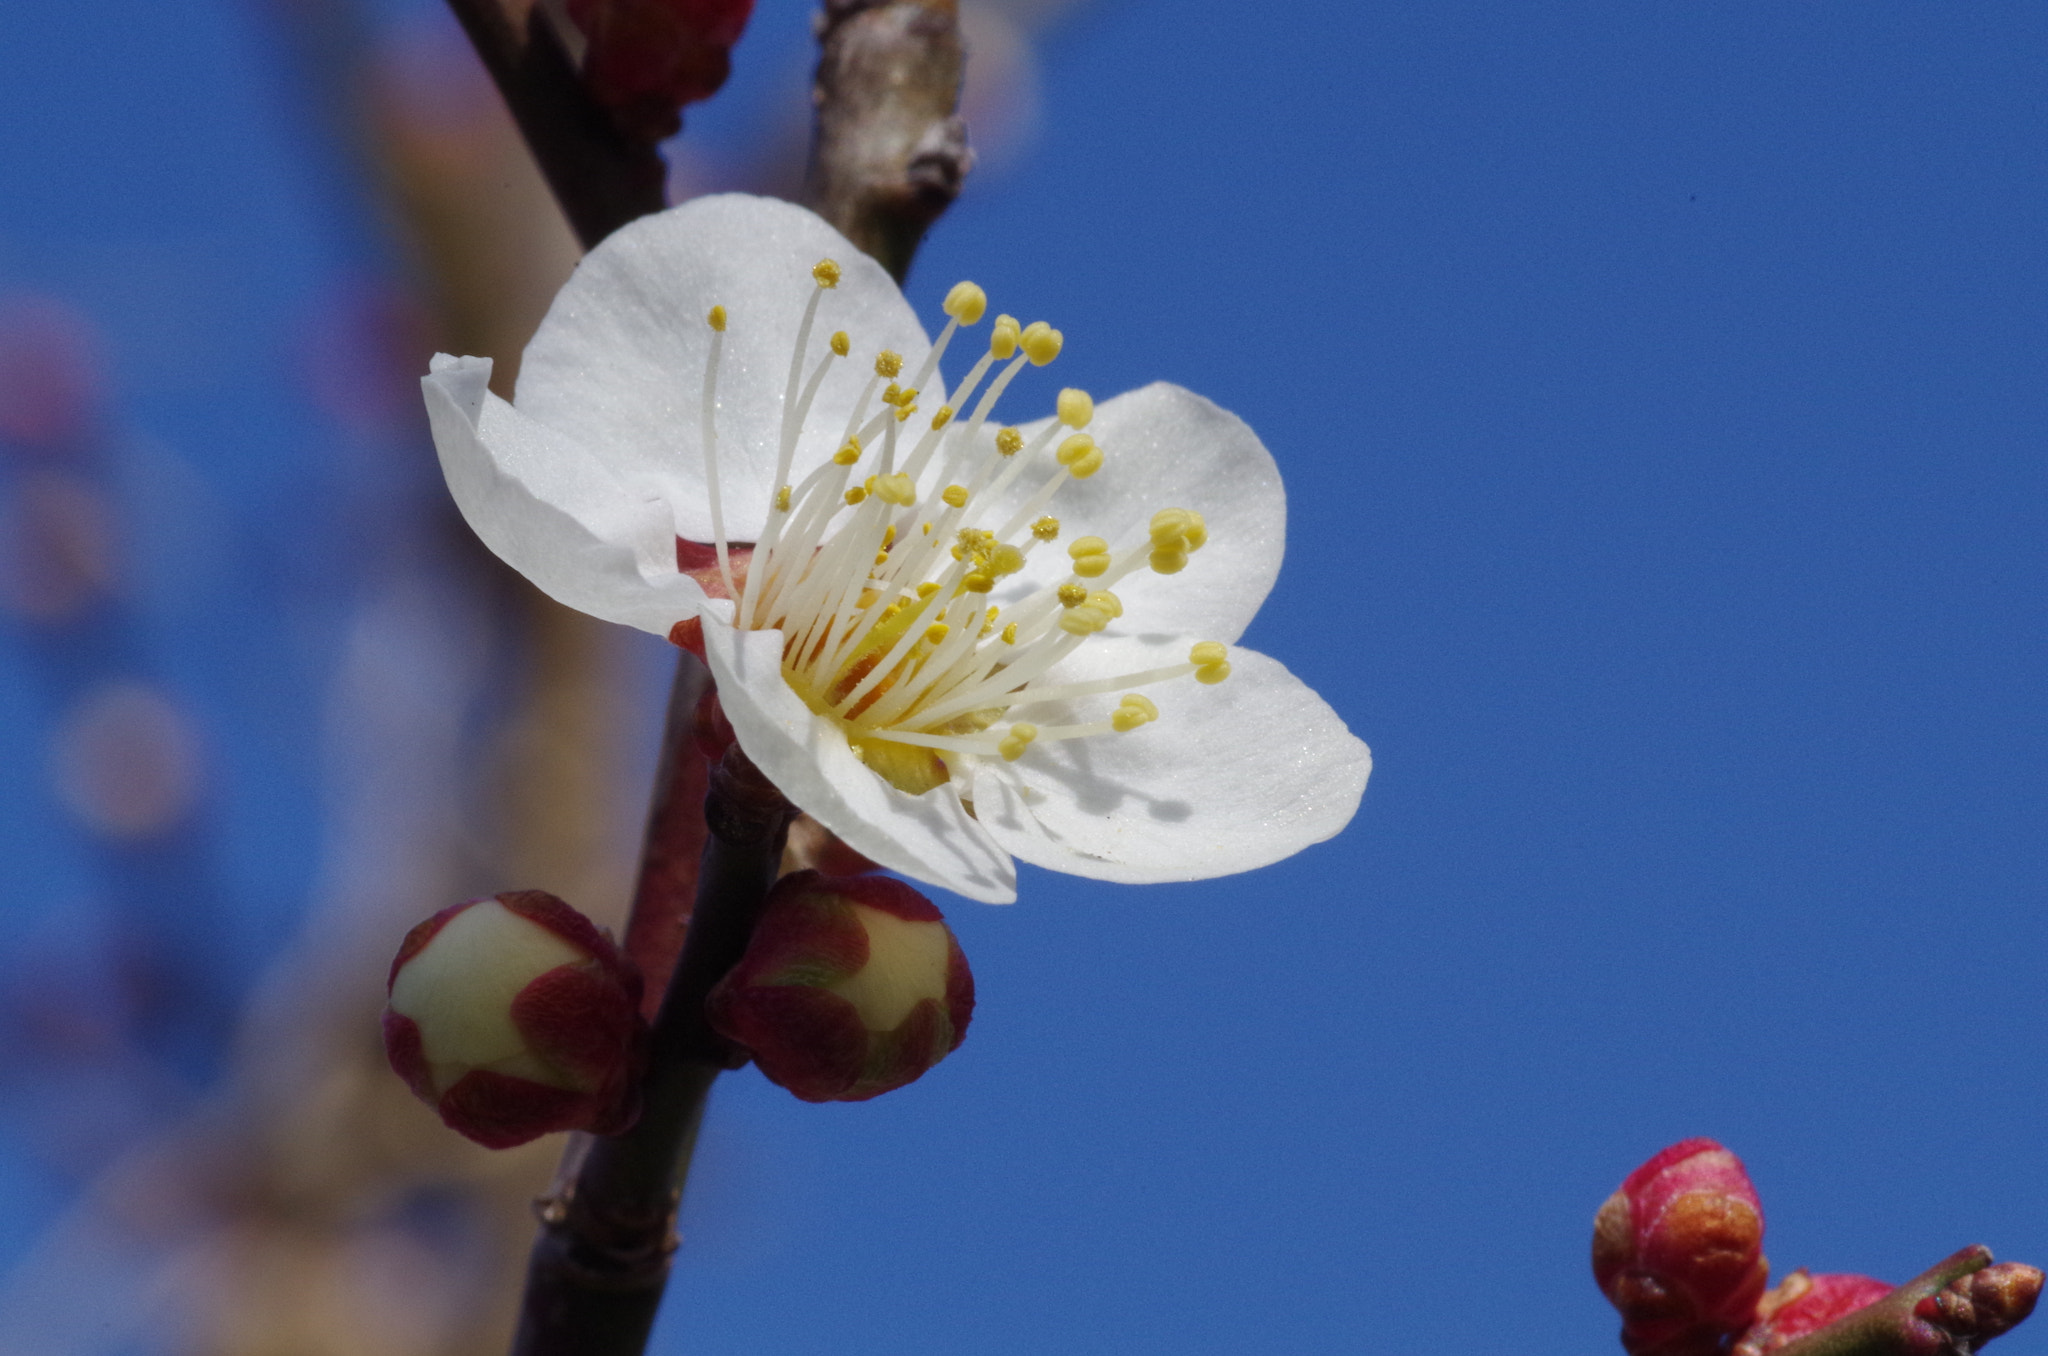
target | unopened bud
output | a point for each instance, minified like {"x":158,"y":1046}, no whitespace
{"x":851,"y":986}
{"x":513,"y":1016}
{"x":645,"y":59}
{"x":1973,"y":1309}
{"x":1679,"y":1251}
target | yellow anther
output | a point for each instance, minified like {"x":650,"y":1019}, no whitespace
{"x":892,"y":394}
{"x":925,"y":528}
{"x":881,"y":557}
{"x":889,"y":536}
{"x":927,"y":589}
{"x":895,"y":488}
{"x":965,"y":303}
{"x":1041,"y":342}
{"x":888,"y":363}
{"x":1087,"y":465}
{"x":1091,"y":557}
{"x":1168,"y":560}
{"x":903,"y":413}
{"x":1072,"y":595}
{"x":826,"y":272}
{"x":782,"y":499}
{"x":1046,"y":529}
{"x":1009,"y":442}
{"x":856,"y":495}
{"x":1003,"y":339}
{"x":717,"y":319}
{"x":841,"y":345}
{"x":936,"y":632}
{"x":1107,"y":602}
{"x":955,"y":496}
{"x":1005,"y":559}
{"x":943,"y":417}
{"x":1169,"y":527}
{"x":1212,"y":673}
{"x":1209,"y":652}
{"x":977,"y":582}
{"x":1084,"y":620}
{"x":1013,"y":744}
{"x":992,"y":614}
{"x":849,"y":454}
{"x":1198,"y":531}
{"x":1134,"y":710}
{"x":1076,"y":408}
{"x":1074,"y":447}
{"x":1010,"y":634}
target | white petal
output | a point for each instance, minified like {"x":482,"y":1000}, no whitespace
{"x":551,"y":511}
{"x":1228,"y":778}
{"x":1166,"y":447}
{"x":619,"y":360}
{"x":931,"y":837}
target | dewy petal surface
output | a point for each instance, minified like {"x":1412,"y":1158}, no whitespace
{"x":1228,"y":778}
{"x":1166,"y":447}
{"x":930,"y":837}
{"x":620,"y":358}
{"x":550,"y":510}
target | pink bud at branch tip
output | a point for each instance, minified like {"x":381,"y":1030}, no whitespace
{"x":647,"y":58}
{"x":515,"y":1016}
{"x":1678,"y":1250}
{"x":852,"y":986}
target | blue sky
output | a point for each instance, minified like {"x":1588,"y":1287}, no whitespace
{"x":1659,"y":390}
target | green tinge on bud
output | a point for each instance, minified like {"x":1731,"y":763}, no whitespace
{"x":851,"y":986}
{"x":1679,"y":1251}
{"x":514,"y":1016}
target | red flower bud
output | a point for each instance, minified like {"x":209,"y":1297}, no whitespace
{"x":851,"y":986}
{"x":1973,"y":1309}
{"x":513,"y":1016}
{"x":1803,"y":1303}
{"x":1678,"y":1250}
{"x":647,"y":58}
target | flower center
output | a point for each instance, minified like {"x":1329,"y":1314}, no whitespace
{"x":882,"y":597}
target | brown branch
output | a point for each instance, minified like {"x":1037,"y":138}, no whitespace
{"x":598,"y":1269}
{"x":888,"y":153}
{"x":602,"y":178}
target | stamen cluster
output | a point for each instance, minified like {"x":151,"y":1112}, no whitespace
{"x":881,"y":593}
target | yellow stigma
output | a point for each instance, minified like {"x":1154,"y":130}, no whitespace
{"x":782,"y":499}
{"x":1076,"y":408}
{"x":856,"y":495}
{"x":1018,"y":739}
{"x":1009,"y":442}
{"x":955,"y":496}
{"x":1003,"y":339}
{"x":716,"y":319}
{"x":888,"y":363}
{"x":1134,"y":710}
{"x":1091,"y":557}
{"x":826,"y":272}
{"x":1041,"y":342}
{"x":841,"y":345}
{"x":1079,"y":454}
{"x":849,"y":454}
{"x":942,"y":418}
{"x":965,"y":303}
{"x":1046,"y":528}
{"x":1005,"y":559}
{"x":1072,"y":595}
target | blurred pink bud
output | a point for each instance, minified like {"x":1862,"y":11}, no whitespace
{"x":852,"y":986}
{"x":513,"y":1016}
{"x":1804,"y":1303}
{"x":1679,"y":1251}
{"x":49,"y":375}
{"x":647,"y":58}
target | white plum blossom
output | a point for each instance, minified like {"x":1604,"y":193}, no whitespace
{"x":951,"y":641}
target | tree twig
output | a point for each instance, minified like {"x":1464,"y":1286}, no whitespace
{"x":888,"y":153}
{"x":602,"y":178}
{"x":602,"y":1260}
